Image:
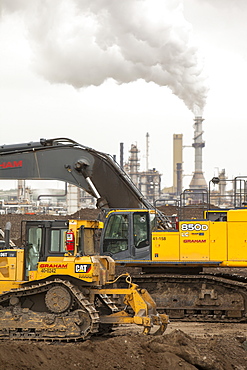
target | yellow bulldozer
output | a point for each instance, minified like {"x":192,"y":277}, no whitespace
{"x":67,"y":297}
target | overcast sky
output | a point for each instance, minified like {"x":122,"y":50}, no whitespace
{"x":107,"y":71}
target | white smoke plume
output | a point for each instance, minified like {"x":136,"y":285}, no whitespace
{"x":85,"y":42}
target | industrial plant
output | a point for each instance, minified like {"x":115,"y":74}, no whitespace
{"x":26,"y":200}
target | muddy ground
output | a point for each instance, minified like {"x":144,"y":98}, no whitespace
{"x":184,"y":346}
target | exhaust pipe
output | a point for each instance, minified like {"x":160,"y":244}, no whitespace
{"x":7,"y":234}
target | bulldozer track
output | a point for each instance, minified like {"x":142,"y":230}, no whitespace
{"x":48,"y":331}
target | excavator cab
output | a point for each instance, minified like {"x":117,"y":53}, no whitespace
{"x":127,"y":234}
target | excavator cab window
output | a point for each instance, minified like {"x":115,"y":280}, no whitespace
{"x":116,"y":234}
{"x":141,"y":229}
{"x":152,"y":222}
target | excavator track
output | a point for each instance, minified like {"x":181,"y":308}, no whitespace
{"x":49,"y":311}
{"x":203,"y":298}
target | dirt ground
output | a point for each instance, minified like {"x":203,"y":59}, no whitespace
{"x":184,"y":346}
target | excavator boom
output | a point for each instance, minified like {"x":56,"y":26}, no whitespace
{"x":66,"y":160}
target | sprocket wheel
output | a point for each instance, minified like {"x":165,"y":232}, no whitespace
{"x":58,"y":299}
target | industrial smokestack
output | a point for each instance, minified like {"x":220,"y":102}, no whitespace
{"x":177,"y":163}
{"x":134,"y":164}
{"x":198,"y":181}
{"x":147,"y":151}
{"x":21,"y":190}
{"x":179,"y":178}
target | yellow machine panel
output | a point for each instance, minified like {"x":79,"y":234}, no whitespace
{"x":237,"y":215}
{"x":89,"y":228}
{"x":237,"y":240}
{"x":165,"y":246}
{"x":194,"y":240}
{"x":92,"y":269}
{"x":11,"y":269}
{"x":218,"y":241}
{"x":11,"y":264}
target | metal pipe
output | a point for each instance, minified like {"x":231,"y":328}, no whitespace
{"x":55,"y":195}
{"x":92,"y":187}
{"x":7,"y":234}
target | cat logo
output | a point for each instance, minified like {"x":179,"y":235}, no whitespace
{"x":82,"y":268}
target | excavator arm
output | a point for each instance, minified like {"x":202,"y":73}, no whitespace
{"x":66,"y":160}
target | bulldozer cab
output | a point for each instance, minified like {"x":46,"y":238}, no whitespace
{"x":43,"y":239}
{"x":127,"y":234}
